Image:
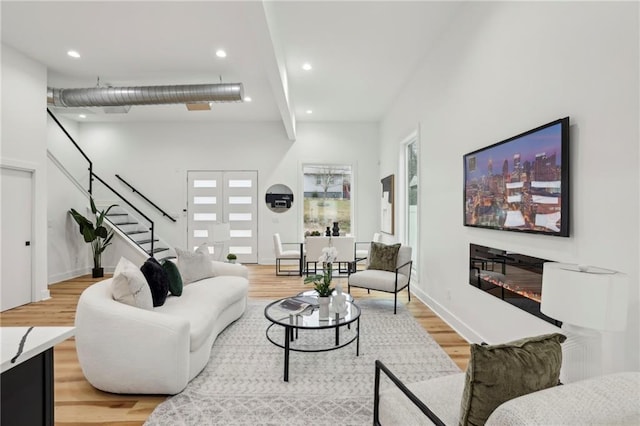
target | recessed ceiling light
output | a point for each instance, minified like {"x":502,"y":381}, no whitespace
{"x":247,"y":99}
{"x":307,"y":66}
{"x":73,"y":54}
{"x":221,"y":53}
{"x":309,"y":111}
{"x":82,"y":116}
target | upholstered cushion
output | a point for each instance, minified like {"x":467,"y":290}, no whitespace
{"x":157,"y":279}
{"x":175,"y":280}
{"x":378,"y":280}
{"x":290,"y":254}
{"x":383,"y":257}
{"x":611,"y":399}
{"x":194,"y":266}
{"x":130,"y":286}
{"x":498,"y":373}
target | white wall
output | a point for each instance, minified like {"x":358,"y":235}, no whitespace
{"x":501,"y":69}
{"x":24,"y":91}
{"x":155,"y":157}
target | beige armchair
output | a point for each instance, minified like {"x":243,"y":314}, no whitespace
{"x":387,"y":281}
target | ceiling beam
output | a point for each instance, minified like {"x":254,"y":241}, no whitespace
{"x":274,"y":64}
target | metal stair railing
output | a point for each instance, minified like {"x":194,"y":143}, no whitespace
{"x":135,"y":191}
{"x":151,"y":228}
{"x":77,"y":147}
{"x":92,"y":175}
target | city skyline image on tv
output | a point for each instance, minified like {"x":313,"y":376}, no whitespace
{"x":520,"y":184}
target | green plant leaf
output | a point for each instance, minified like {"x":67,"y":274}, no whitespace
{"x":102,"y":232}
{"x":88,"y":234}
{"x":80,"y":220}
{"x":94,"y":210}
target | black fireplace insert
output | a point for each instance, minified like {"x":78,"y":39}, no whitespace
{"x":512,"y":277}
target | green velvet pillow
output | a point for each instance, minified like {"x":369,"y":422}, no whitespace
{"x":175,"y":280}
{"x":383,"y":257}
{"x":498,"y":373}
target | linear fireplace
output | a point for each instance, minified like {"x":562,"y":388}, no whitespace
{"x":512,"y":277}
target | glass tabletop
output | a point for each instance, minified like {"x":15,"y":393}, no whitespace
{"x":309,"y":318}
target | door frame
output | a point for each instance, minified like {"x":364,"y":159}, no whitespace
{"x":30,"y":168}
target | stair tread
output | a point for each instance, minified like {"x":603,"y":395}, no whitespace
{"x":147,"y":241}
{"x":117,"y":214}
{"x":136,"y":232}
{"x":125,"y":223}
{"x":158,"y":249}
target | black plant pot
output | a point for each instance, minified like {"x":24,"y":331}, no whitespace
{"x":97,"y":272}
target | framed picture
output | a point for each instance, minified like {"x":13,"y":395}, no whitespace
{"x":386,"y":205}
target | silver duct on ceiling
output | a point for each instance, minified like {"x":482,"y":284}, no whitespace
{"x":145,"y":95}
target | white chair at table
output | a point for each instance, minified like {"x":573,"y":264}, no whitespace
{"x":362,"y":247}
{"x":314,"y":246}
{"x":287,"y":255}
{"x":346,"y":254}
{"x":387,"y":281}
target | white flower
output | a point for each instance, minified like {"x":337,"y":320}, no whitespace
{"x":329,"y":255}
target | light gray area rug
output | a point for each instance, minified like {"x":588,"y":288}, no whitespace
{"x":243,"y":382}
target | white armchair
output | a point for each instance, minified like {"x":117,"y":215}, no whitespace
{"x":387,"y":281}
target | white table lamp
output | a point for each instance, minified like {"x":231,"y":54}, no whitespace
{"x":585,"y":296}
{"x":590,"y":302}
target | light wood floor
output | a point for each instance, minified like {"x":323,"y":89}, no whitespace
{"x":77,"y":402}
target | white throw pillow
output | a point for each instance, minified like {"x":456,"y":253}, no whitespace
{"x":195,"y":266}
{"x":129,"y":285}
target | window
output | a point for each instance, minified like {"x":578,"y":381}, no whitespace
{"x":327,"y":197}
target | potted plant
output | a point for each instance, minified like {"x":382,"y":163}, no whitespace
{"x":97,"y":235}
{"x":322,"y":282}
{"x":231,"y":258}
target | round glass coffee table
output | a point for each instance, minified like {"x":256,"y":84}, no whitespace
{"x":307,"y":332}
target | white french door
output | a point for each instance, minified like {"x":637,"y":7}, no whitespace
{"x":224,"y":197}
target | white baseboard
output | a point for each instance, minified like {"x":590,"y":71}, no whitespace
{"x":57,"y":278}
{"x":44,"y":295}
{"x":447,"y":316}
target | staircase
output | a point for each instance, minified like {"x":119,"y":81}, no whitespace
{"x":138,"y":233}
{"x":130,"y":223}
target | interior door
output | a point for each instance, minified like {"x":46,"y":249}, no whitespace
{"x":216,"y":197}
{"x":16,"y":219}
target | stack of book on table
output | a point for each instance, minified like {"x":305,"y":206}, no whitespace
{"x":303,"y":305}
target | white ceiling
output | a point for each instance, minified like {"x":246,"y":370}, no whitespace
{"x":362,"y":52}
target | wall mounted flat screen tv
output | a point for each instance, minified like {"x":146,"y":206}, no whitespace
{"x":522,"y":183}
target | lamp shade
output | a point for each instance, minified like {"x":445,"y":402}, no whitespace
{"x":588,"y":297}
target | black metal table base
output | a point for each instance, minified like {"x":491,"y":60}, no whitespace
{"x":291,"y":334}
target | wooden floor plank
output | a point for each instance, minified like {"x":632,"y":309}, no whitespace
{"x":78,"y":403}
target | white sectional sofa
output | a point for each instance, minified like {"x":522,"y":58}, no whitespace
{"x":612,"y":399}
{"x":126,"y":349}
